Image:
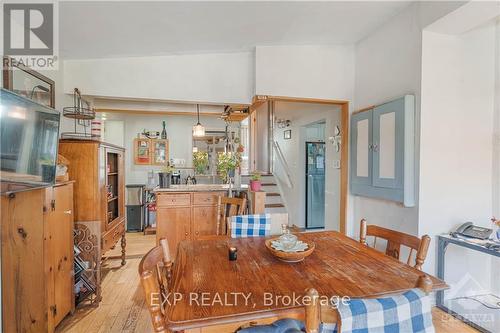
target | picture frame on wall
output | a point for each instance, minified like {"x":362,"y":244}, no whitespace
{"x":287,"y":135}
{"x":142,"y":151}
{"x":28,"y":83}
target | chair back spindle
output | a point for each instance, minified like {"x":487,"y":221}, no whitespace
{"x":153,"y":302}
{"x":228,"y":207}
{"x":167,"y":259}
{"x":395,"y":240}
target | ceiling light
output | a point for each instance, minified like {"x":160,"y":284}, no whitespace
{"x":198,"y":129}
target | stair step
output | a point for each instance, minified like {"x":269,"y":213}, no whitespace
{"x":277,"y":205}
{"x":272,"y":194}
{"x":268,"y":184}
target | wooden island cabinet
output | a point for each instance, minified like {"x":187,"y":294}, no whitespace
{"x":186,"y":215}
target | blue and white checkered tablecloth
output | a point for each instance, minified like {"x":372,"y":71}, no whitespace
{"x":250,"y":225}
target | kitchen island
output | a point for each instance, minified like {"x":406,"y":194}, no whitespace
{"x":188,"y":212}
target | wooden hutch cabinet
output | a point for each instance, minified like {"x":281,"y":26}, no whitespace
{"x":99,"y":171}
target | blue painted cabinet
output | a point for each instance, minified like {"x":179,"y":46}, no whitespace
{"x":382,"y":151}
{"x":361,"y":148}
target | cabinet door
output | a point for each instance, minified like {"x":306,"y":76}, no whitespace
{"x":115,"y":187}
{"x":62,"y":241}
{"x":204,"y":221}
{"x":60,"y":252}
{"x":388,"y":144}
{"x":361,"y":152}
{"x":174,"y":224}
{"x":24,"y":300}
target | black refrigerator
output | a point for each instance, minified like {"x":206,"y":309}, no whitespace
{"x":315,"y":185}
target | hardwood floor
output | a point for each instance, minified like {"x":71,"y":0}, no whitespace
{"x":122,"y":308}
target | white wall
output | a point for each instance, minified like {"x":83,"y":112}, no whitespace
{"x":388,"y":66}
{"x":495,"y":272}
{"x":113,"y":131}
{"x":179,"y":130}
{"x":305,"y":71}
{"x":302,"y":114}
{"x":217,"y":77}
{"x":456,"y":156}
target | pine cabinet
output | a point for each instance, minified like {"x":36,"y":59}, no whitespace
{"x":37,"y":258}
{"x":185,"y":215}
{"x":382,"y":151}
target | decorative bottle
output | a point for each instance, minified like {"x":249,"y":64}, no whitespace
{"x":164,"y":132}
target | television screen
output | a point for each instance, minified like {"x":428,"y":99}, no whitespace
{"x":29,"y":135}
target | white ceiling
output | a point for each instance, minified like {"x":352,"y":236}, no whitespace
{"x":125,"y":28}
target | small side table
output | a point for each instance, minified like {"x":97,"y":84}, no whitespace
{"x":443,"y":242}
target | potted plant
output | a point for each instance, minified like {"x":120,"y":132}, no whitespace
{"x":164,"y":176}
{"x":200,"y":161}
{"x":255,"y":183}
{"x":227,"y":164}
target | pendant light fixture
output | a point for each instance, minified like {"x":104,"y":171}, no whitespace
{"x":198,"y":129}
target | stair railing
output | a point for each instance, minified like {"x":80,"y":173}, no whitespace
{"x":281,"y":158}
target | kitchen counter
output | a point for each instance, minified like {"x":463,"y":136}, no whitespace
{"x":200,"y":188}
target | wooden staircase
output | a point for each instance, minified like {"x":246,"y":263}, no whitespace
{"x":274,"y":202}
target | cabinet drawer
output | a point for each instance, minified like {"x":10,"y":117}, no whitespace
{"x":168,"y":200}
{"x":110,"y":238}
{"x":206,"y":198}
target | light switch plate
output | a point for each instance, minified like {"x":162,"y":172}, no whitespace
{"x":336,"y":164}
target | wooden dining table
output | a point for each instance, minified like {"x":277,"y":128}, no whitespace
{"x":209,"y":290}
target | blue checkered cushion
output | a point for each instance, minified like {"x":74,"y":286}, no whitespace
{"x":279,"y":326}
{"x":250,"y":225}
{"x":409,"y":313}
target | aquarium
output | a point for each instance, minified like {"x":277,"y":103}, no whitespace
{"x":29,"y":135}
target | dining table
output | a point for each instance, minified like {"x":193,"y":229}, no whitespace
{"x":210,"y":291}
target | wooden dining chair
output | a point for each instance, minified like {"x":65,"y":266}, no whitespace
{"x":155,"y":271}
{"x":226,"y":208}
{"x":394,"y":241}
{"x":319,"y":313}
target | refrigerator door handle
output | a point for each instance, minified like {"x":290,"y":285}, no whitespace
{"x":310,"y":188}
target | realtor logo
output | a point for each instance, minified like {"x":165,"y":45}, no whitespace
{"x":29,"y":34}
{"x":28,"y":29}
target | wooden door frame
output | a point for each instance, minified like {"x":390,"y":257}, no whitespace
{"x":344,"y":147}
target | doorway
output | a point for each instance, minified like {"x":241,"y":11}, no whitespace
{"x":282,"y":134}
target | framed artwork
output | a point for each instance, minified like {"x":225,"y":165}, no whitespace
{"x":160,"y":151}
{"x":150,"y":151}
{"x":28,"y":83}
{"x":142,"y":151}
{"x":287,"y":135}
